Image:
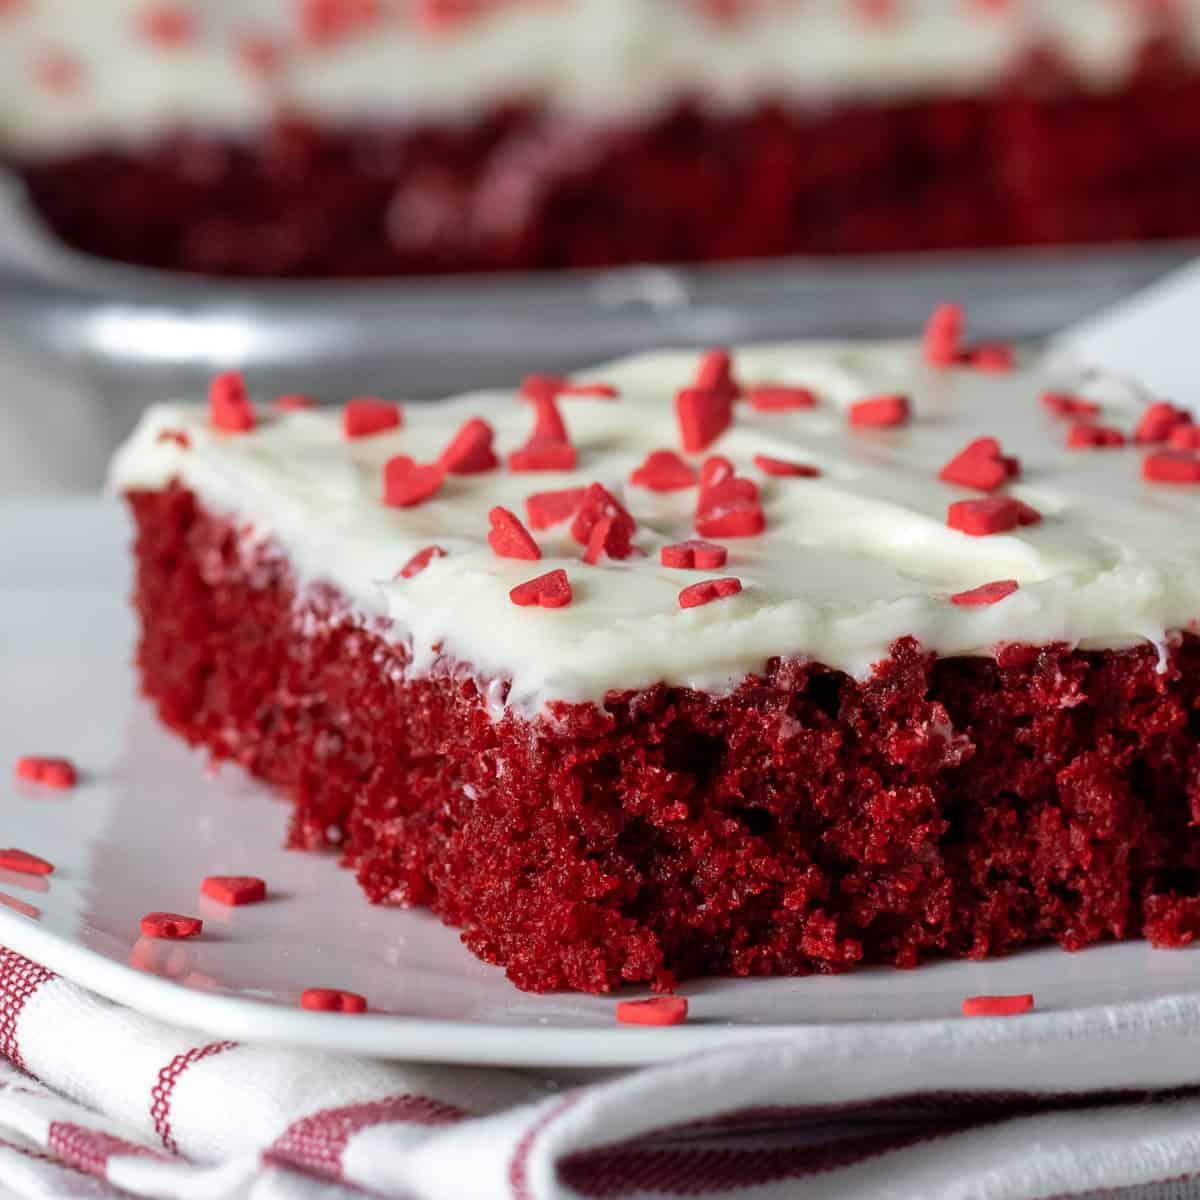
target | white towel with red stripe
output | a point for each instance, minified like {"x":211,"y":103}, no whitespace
{"x":99,"y":1101}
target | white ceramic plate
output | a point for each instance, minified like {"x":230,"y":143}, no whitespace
{"x":149,"y":822}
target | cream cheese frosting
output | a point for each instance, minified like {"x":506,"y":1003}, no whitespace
{"x":850,"y":560}
{"x":79,"y":71}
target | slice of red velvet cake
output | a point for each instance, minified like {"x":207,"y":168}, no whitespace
{"x":829,"y":654}
{"x":384,"y":137}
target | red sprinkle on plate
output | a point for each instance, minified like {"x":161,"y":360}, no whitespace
{"x":24,"y":863}
{"x":49,"y":772}
{"x":996,"y":1006}
{"x":988,"y":593}
{"x":234,"y":889}
{"x":170,"y":925}
{"x":552,"y":590}
{"x":880,"y":412}
{"x":332,"y":1000}
{"x":658,"y":1010}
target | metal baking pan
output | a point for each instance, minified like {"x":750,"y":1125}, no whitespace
{"x":89,"y":343}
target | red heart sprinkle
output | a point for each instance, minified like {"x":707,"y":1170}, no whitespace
{"x":167,"y":26}
{"x":24,"y":863}
{"x":996,"y":514}
{"x":1063,"y":404}
{"x":332,"y":1000}
{"x":991,"y":356}
{"x":229,"y":407}
{"x":981,"y":464}
{"x":708,"y":590}
{"x":777,"y":466}
{"x":727,"y":506}
{"x":551,"y":457}
{"x":420,"y":561}
{"x":996,"y":1006}
{"x":703,"y":415}
{"x":545,"y":509}
{"x":1158,"y":422}
{"x":1084,"y":436}
{"x":177,"y":436}
{"x":170,"y":925}
{"x":597,"y":505}
{"x":508,"y":538}
{"x":778,"y":397}
{"x":609,"y":537}
{"x":664,"y":471}
{"x":407,"y":483}
{"x":880,"y":412}
{"x":988,"y":593}
{"x":49,"y":772}
{"x":470,"y":451}
{"x":714,"y":373}
{"x":552,"y":590}
{"x":234,"y":889}
{"x":541,"y":387}
{"x":694,"y":555}
{"x":1171,"y":466}
{"x":294,"y":402}
{"x":943,"y":335}
{"x":366,"y":415}
{"x":1184,"y":437}
{"x":592,"y":391}
{"x":658,"y":1010}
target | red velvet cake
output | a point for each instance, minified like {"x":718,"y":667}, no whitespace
{"x":376,"y":137}
{"x":832,"y":654}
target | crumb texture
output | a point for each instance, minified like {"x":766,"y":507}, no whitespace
{"x":806,"y":822}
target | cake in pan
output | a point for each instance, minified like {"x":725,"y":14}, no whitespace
{"x":775,"y":663}
{"x":382,"y":137}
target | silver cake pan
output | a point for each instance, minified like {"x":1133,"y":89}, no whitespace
{"x":85,"y":344}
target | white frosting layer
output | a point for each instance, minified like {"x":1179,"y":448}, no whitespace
{"x":850,"y":561}
{"x":605,"y":59}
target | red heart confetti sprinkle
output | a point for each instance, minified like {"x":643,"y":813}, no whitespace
{"x":1063,"y":404}
{"x":531,"y":457}
{"x":943,"y":335}
{"x":508,"y":538}
{"x":694,"y":556}
{"x":590,"y":391}
{"x":988,"y":593}
{"x":229,"y":407}
{"x":703,"y":415}
{"x":24,"y":863}
{"x":880,"y":412}
{"x":1184,"y":437}
{"x":170,"y":925}
{"x":1171,"y":466}
{"x":234,"y":889}
{"x":470,"y":450}
{"x":991,"y":356}
{"x":727,"y":506}
{"x":552,"y":590}
{"x":365,"y":415}
{"x":996,"y":514}
{"x":545,"y":509}
{"x":777,"y":466}
{"x":49,"y":772}
{"x":420,"y":561}
{"x":540,"y":387}
{"x":293,"y":402}
{"x":167,"y":25}
{"x":1083,"y":436}
{"x":175,"y":436}
{"x":664,"y":471}
{"x":708,"y":590}
{"x":996,"y":1006}
{"x":658,"y":1010}
{"x":597,"y":505}
{"x":332,"y":1000}
{"x":1158,"y":423}
{"x":407,"y":483}
{"x":980,"y":465}
{"x":714,"y":373}
{"x":778,"y":397}
{"x":548,"y":426}
{"x":609,"y":537}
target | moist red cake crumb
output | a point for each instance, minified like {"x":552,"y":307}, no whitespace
{"x":806,"y":821}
